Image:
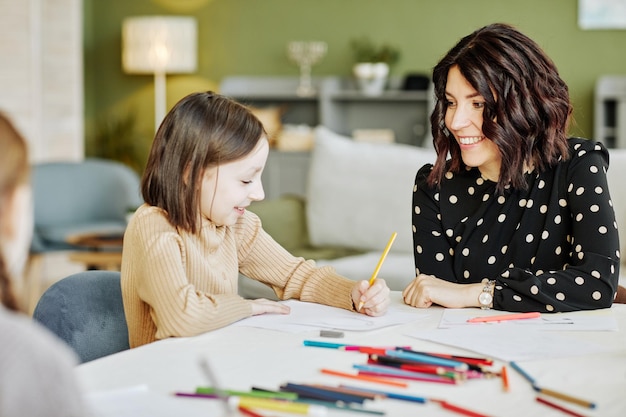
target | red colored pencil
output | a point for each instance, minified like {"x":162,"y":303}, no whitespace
{"x":558,"y":407}
{"x":458,"y":409}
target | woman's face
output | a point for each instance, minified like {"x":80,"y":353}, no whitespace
{"x":464,"y":119}
{"x":227,"y":190}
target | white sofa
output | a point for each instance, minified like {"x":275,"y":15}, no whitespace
{"x":359,"y":193}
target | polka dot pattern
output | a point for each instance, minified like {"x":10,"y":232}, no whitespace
{"x":552,"y":247}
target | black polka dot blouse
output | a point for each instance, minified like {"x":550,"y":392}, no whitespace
{"x":553,"y":247}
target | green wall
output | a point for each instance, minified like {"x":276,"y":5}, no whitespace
{"x":248,"y":37}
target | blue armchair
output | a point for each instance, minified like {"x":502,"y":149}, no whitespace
{"x":87,"y":197}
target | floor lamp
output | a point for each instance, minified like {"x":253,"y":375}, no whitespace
{"x":159,"y":45}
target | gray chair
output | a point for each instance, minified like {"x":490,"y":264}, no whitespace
{"x":86,"y":197}
{"x":85,"y":310}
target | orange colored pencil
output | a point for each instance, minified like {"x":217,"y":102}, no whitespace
{"x":505,"y":379}
{"x":366,"y":378}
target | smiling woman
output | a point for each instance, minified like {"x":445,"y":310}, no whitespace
{"x":519,"y":217}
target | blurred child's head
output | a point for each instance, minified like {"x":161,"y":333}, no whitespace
{"x":16,"y":217}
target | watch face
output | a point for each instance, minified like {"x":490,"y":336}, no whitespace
{"x":485,"y":298}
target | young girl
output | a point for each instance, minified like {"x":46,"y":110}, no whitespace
{"x":36,"y":369}
{"x":184,"y":248}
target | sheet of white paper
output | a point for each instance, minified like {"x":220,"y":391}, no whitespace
{"x":592,"y":320}
{"x":510,"y":343}
{"x":305,"y":316}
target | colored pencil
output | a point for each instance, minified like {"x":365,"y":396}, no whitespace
{"x":522,"y":373}
{"x":429,"y":359}
{"x":388,"y":394}
{"x":413,"y":367}
{"x":347,"y":390}
{"x":277,"y":405}
{"x":457,"y":409}
{"x":472,"y":362}
{"x":386,"y":381}
{"x":252,"y":393}
{"x":330,"y":345}
{"x":197,"y":395}
{"x":505,"y":379}
{"x":380,"y":263}
{"x":565,"y":397}
{"x":558,"y":407}
{"x":319,"y":393}
{"x":505,"y":317}
{"x":249,"y":412}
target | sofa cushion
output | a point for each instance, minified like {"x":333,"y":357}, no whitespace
{"x":360,"y":193}
{"x":283,"y":219}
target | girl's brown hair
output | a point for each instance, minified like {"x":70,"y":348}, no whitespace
{"x":527,"y":106}
{"x":201,"y":131}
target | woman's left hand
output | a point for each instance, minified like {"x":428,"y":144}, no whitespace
{"x":375,"y":299}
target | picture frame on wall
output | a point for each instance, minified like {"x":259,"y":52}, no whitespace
{"x":602,"y":14}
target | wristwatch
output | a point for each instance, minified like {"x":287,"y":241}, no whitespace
{"x":485,"y":298}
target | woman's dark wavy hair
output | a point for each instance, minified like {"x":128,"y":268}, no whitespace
{"x":527,"y":106}
{"x":202,"y":130}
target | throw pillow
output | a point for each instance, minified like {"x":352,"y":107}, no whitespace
{"x":360,"y":193}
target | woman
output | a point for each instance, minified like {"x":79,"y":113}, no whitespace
{"x":519,"y":218}
{"x":36,"y":369}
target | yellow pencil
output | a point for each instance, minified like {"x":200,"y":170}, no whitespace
{"x":380,"y":263}
{"x":278,"y":405}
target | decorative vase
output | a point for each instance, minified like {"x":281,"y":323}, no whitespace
{"x":371,"y":77}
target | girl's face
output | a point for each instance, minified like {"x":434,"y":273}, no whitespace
{"x":227,"y":190}
{"x":464,"y":119}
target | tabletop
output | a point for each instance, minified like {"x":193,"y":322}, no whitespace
{"x":143,"y":380}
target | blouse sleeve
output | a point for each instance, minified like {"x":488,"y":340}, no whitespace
{"x":589,"y":280}
{"x":432,"y":251}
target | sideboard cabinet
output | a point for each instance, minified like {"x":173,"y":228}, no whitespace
{"x":336,"y":104}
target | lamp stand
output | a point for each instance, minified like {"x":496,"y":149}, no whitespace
{"x":159,"y":98}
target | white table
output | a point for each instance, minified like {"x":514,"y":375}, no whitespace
{"x":244,"y":357}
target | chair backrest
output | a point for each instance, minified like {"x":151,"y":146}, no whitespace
{"x":84,"y":191}
{"x":87,"y":197}
{"x":85,"y":310}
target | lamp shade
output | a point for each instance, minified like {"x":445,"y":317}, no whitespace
{"x":159,"y":44}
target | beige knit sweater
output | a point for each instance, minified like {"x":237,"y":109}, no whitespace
{"x":178,"y":284}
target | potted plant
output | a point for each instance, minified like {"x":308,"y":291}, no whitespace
{"x":372,"y":64}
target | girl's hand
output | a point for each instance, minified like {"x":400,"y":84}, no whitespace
{"x":264,"y":306}
{"x":426,"y":290}
{"x":375,"y":299}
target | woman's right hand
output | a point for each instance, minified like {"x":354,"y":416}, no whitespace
{"x":264,"y":306}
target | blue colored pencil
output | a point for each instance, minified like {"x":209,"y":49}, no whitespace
{"x":321,"y":393}
{"x":522,"y":373}
{"x":388,"y":394}
{"x":330,"y":345}
{"x":433,"y":360}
